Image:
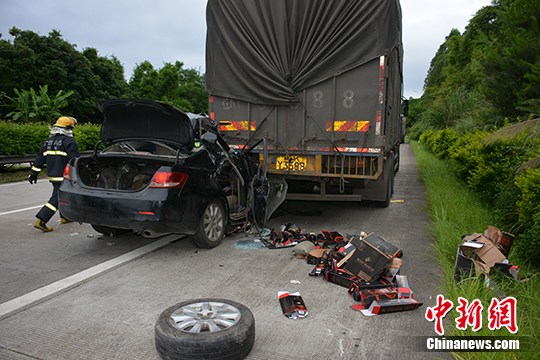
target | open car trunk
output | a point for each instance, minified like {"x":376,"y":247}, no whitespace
{"x":118,"y":173}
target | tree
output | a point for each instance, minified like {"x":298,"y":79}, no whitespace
{"x":512,"y":59}
{"x":172,"y":84}
{"x":31,"y":60}
{"x":488,"y":74}
{"x":436,"y":74}
{"x":30,"y":106}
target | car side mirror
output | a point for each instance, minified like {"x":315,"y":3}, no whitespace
{"x":405,"y":107}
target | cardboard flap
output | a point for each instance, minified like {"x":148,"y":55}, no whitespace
{"x":493,"y":234}
{"x":489,"y":254}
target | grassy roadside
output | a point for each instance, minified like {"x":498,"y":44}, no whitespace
{"x":455,"y":211}
{"x":14,"y":174}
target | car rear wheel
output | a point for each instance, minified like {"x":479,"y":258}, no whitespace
{"x":205,"y":329}
{"x":212,"y":226}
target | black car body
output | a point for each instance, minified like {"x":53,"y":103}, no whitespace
{"x":162,"y":171}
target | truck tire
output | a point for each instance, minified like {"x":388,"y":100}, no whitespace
{"x":205,"y":329}
{"x":389,"y":182}
{"x":396,"y":164}
{"x":212,"y":226}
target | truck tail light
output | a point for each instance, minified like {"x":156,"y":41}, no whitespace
{"x":168,"y":179}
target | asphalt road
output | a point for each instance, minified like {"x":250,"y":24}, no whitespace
{"x":73,"y":294}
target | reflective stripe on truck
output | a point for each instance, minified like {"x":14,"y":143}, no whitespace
{"x":347,"y":126}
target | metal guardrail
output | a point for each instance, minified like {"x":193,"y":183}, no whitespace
{"x":27,"y":158}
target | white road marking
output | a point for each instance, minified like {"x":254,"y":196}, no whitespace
{"x":19,"y":210}
{"x":37,"y":296}
{"x":15,"y":183}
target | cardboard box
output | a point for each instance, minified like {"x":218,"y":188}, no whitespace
{"x":390,"y":306}
{"x":367,"y":262}
{"x":488,"y":255}
{"x":379,"y":243}
{"x":346,"y":249}
{"x":367,"y":296}
{"x":360,"y":285}
{"x":341,"y":278}
{"x":505,"y":243}
{"x":479,"y":253}
{"x":346,"y":258}
{"x":501,"y":239}
{"x":292,"y":305}
{"x":464,"y":267}
{"x":314,"y":257}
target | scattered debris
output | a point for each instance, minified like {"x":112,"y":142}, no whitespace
{"x":288,"y":235}
{"x":481,"y":253}
{"x":292,"y":305}
{"x":366,"y":264}
{"x":303,"y":248}
{"x":249,"y":244}
{"x":389,"y":306}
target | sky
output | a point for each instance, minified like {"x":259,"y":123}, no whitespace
{"x":164,"y":31}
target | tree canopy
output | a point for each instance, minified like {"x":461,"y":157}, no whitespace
{"x":487,"y":75}
{"x":172,"y":83}
{"x":31,"y":62}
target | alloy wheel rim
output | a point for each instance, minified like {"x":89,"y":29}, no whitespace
{"x":204,"y":317}
{"x":213,"y":222}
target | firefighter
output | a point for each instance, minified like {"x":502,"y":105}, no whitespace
{"x":57,"y":150}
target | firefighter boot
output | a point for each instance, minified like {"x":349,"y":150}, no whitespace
{"x":63,"y":220}
{"x":42,"y":225}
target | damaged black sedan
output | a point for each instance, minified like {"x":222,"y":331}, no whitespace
{"x":159,"y":171}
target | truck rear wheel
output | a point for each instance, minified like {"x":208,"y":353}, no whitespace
{"x":389,"y":182}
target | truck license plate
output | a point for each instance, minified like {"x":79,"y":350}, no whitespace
{"x":291,"y":163}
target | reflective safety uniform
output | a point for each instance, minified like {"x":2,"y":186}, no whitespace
{"x":57,"y":150}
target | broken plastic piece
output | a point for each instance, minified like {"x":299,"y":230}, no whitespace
{"x":249,"y":244}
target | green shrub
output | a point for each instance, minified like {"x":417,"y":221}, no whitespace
{"x":488,"y":162}
{"x":23,"y":139}
{"x":455,"y":211}
{"x":86,"y":136}
{"x":439,"y":141}
{"x":426,"y":138}
{"x":494,"y":169}
{"x":442,"y":141}
{"x":504,"y":168}
{"x":465,"y":153}
{"x":528,"y":203}
{"x":527,"y":245}
{"x":528,"y":213}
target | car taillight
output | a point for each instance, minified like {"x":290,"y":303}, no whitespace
{"x":168,"y":179}
{"x":67,"y":172}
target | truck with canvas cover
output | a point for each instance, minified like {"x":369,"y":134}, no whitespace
{"x":321,"y":81}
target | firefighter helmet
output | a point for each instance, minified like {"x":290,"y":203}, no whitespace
{"x":66,"y":122}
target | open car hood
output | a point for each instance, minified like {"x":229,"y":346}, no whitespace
{"x":144,"y":119}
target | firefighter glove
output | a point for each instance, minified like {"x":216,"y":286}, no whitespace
{"x":32,"y":178}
